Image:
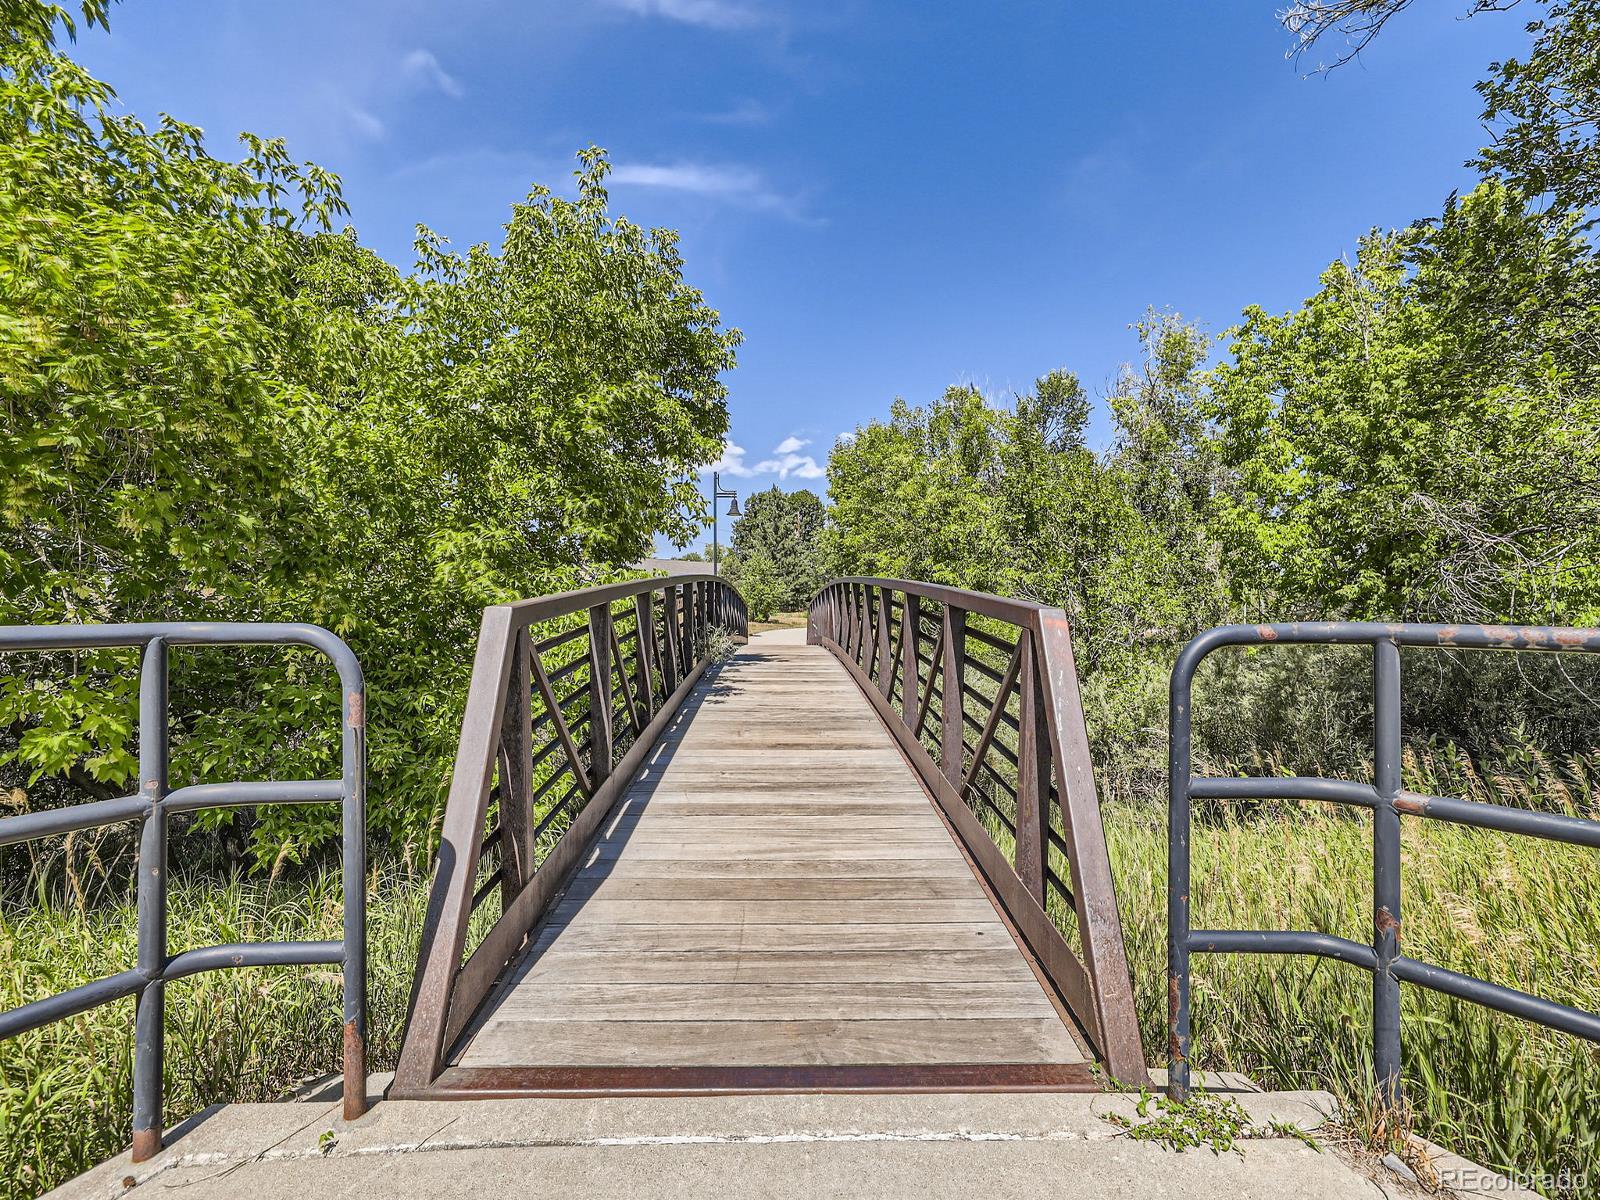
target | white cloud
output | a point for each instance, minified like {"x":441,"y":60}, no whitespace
{"x":790,"y":444}
{"x":711,"y":14}
{"x":364,"y":123}
{"x":801,"y":466}
{"x":731,"y":462}
{"x":422,"y":66}
{"x":733,"y":184}
{"x":849,"y":435}
{"x":746,"y":112}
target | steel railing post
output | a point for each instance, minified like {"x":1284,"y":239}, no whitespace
{"x":150,"y":1012}
{"x":1179,"y":769}
{"x":1386,"y":869}
{"x":599,"y":694}
{"x":952,"y":703}
{"x":353,"y":795}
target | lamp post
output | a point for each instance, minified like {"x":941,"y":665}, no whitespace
{"x":718,"y":492}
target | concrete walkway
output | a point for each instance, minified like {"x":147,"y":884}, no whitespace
{"x":927,"y":1146}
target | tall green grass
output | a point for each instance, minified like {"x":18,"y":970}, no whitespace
{"x":251,"y":1034}
{"x":1517,"y":911}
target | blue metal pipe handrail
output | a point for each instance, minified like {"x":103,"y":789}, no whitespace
{"x":154,"y":803}
{"x":1388,"y":802}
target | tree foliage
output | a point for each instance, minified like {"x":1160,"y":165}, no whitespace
{"x":1419,"y":440}
{"x":1544,"y":109}
{"x":783,"y":532}
{"x":216,"y":407}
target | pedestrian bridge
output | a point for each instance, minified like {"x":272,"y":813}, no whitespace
{"x":675,"y":860}
{"x":688,"y":877}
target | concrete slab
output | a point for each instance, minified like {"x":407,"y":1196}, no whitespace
{"x":802,"y":1170}
{"x":770,"y":1145}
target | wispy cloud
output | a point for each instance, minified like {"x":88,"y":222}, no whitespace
{"x":787,"y":460}
{"x":364,"y":122}
{"x":746,"y":112}
{"x":731,"y":462}
{"x":743,"y":186}
{"x":711,"y":14}
{"x":422,"y":67}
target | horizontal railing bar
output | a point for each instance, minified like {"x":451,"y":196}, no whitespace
{"x":175,"y":633}
{"x":25,"y":826}
{"x":549,"y":784}
{"x":1556,"y":827}
{"x":561,"y":639}
{"x":555,"y":810}
{"x":253,"y":954}
{"x":1567,"y":1019}
{"x":236,"y":795}
{"x":974,"y":634}
{"x":984,"y":669}
{"x":528,"y":612}
{"x":1017,"y":612}
{"x":488,"y":886}
{"x":568,"y":670}
{"x":48,"y":822}
{"x":491,"y":839}
{"x":1283,"y":787}
{"x":1263,"y":941}
{"x":1005,"y":719}
{"x":1346,"y":633}
{"x":1061,"y":884}
{"x":543,"y":753}
{"x":70,"y":1003}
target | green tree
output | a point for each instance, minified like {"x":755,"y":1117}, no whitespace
{"x":1544,"y":109}
{"x":218,"y":408}
{"x":760,"y":585}
{"x":1418,"y":441}
{"x":784,"y":529}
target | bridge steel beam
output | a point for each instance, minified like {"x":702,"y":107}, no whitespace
{"x":447,"y":992}
{"x":1032,"y":757}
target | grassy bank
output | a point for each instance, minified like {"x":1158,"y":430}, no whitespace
{"x":66,"y":1089}
{"x":1512,"y":910}
{"x":1516,"y":911}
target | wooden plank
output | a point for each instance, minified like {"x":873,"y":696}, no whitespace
{"x":687,"y":827}
{"x":731,"y":1043}
{"x":792,"y":849}
{"x":776,"y":966}
{"x":804,"y":887}
{"x":635,"y":867}
{"x":545,"y":1000}
{"x":632,"y":939}
{"x":772,"y":912}
{"x":830,"y":807}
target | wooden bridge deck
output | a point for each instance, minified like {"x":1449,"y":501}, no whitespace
{"x":774,"y":901}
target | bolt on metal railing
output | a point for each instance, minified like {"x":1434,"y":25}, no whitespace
{"x":153,"y":805}
{"x":1388,"y":801}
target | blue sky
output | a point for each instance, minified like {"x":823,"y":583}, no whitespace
{"x":887,"y":198}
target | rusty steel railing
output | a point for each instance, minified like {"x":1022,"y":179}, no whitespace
{"x":981,"y":692}
{"x":1388,"y":801}
{"x":154,"y":804}
{"x":598,"y":680}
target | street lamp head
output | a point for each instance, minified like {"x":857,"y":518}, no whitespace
{"x":733,"y":508}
